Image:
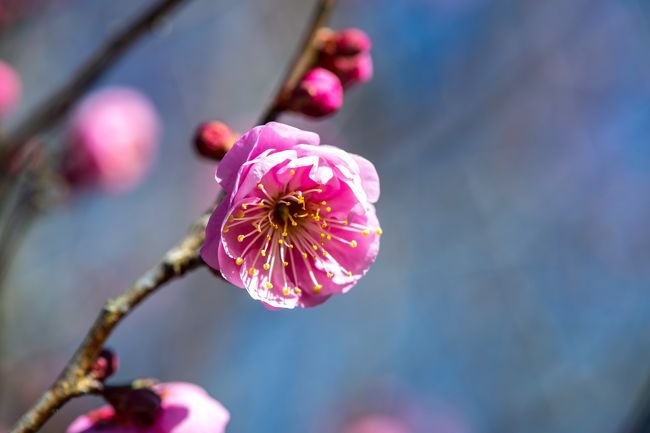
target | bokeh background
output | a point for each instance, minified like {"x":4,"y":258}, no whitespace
{"x":511,"y":290}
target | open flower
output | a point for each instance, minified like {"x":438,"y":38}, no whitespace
{"x":182,"y":408}
{"x":298,"y":224}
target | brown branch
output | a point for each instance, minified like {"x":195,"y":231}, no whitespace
{"x":302,"y":61}
{"x":74,"y":380}
{"x":57,"y":105}
{"x":182,"y":258}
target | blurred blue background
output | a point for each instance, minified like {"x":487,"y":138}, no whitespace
{"x":511,"y":290}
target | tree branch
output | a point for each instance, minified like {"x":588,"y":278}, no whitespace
{"x":302,"y":61}
{"x":182,"y":258}
{"x":56,"y":106}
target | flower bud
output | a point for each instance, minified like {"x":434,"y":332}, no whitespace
{"x":347,"y":54}
{"x":213,"y":139}
{"x":165,"y":408}
{"x":112,"y":140}
{"x":318,"y":94}
{"x":10,"y":88}
{"x":105,"y":365}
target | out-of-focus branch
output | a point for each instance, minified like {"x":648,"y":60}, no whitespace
{"x":57,"y":105}
{"x":302,"y":61}
{"x":182,"y":258}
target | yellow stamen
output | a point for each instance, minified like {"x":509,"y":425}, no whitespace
{"x":239,"y":261}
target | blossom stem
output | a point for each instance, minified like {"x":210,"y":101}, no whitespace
{"x":181,"y":259}
{"x":302,"y":61}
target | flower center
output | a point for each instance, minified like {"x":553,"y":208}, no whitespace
{"x":290,"y":235}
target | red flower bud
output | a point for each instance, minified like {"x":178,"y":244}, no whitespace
{"x":318,"y":94}
{"x":347,"y":54}
{"x":213,"y":139}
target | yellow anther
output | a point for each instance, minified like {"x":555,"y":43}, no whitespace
{"x":322,"y":243}
{"x":379,"y":231}
{"x":317,"y":288}
{"x":263,"y":253}
{"x":226,"y":229}
{"x":261,"y":203}
{"x":353,"y":244}
{"x":285,"y":234}
{"x":269,"y":285}
{"x":260,"y":186}
{"x":324,"y":224}
{"x":315,"y":247}
{"x":349,"y":274}
{"x":325,"y":253}
{"x":285,"y":264}
{"x":268,"y":237}
{"x":266,"y":266}
{"x":328,"y":209}
{"x":344,"y":223}
{"x":365,"y":232}
{"x":330,"y":275}
{"x":305,"y":255}
{"x":292,"y":171}
{"x":240,"y":214}
{"x":323,"y":202}
{"x":244,"y":206}
{"x":240,"y":238}
{"x":280,"y":241}
{"x":319,"y":190}
{"x":329,"y":237}
{"x":252,"y":271}
{"x":239,"y":261}
{"x":322,"y":235}
{"x":301,"y":199}
{"x":297,"y":290}
{"x":286,"y":291}
{"x":231,"y":218}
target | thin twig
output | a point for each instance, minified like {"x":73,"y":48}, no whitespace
{"x":302,"y":61}
{"x":56,"y":106}
{"x":184,"y":257}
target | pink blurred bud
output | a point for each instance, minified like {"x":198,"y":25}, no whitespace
{"x":347,"y":54}
{"x":351,"y":42}
{"x":378,"y":424}
{"x":183,"y":408}
{"x":214,"y":139}
{"x":113,"y":138}
{"x":318,"y":94}
{"x":10,"y":88}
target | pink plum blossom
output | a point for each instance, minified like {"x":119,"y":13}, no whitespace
{"x":10,"y":88}
{"x":113,"y":138}
{"x":184,"y":408}
{"x":298,"y":223}
{"x":318,"y":94}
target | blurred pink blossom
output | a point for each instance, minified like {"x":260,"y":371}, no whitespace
{"x":113,"y":139}
{"x":318,"y":94}
{"x":184,"y":408}
{"x":377,"y":424}
{"x":10,"y":88}
{"x":298,"y":223}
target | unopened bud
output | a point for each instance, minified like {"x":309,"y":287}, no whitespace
{"x":214,"y":139}
{"x":347,"y":54}
{"x":318,"y":94}
{"x":106,"y":364}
